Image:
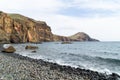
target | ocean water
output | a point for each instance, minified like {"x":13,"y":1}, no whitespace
{"x":97,"y":56}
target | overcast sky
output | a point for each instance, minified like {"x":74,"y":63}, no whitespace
{"x":98,"y":18}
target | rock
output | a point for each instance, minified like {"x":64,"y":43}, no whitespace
{"x":66,"y":42}
{"x":114,"y":76}
{"x":16,"y":28}
{"x":80,"y":36}
{"x":10,"y":49}
{"x":60,"y":38}
{"x":34,"y":51}
{"x":31,"y":47}
{"x":4,"y":37}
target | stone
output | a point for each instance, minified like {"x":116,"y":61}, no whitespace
{"x":34,"y":51}
{"x":31,"y":47}
{"x":66,"y":42}
{"x":10,"y":49}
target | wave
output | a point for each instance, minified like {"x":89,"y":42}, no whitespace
{"x":109,"y":60}
{"x":88,"y":57}
{"x":105,"y":70}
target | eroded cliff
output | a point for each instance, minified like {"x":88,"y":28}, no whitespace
{"x":80,"y":36}
{"x":16,"y":28}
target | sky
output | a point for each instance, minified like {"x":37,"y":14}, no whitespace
{"x":98,"y":18}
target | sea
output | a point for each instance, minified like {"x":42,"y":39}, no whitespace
{"x":103,"y":57}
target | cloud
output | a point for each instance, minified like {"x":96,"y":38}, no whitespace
{"x":100,"y":28}
{"x":92,"y":8}
{"x":97,"y":4}
{"x":40,"y":5}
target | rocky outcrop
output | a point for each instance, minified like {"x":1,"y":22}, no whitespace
{"x":15,"y":28}
{"x":60,"y":38}
{"x":31,"y":47}
{"x":80,"y":36}
{"x":4,"y":38}
{"x":10,"y":49}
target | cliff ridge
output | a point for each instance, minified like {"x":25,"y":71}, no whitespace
{"x":17,"y":29}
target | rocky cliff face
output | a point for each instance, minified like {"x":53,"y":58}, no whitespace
{"x":16,"y":28}
{"x":60,"y":38}
{"x":80,"y":36}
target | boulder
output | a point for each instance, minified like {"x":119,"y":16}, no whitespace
{"x":34,"y":51}
{"x":31,"y":47}
{"x":10,"y":49}
{"x":66,"y":42}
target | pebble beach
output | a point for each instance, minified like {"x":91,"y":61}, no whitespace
{"x":16,"y":67}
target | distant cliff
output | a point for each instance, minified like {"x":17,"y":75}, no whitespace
{"x":60,"y":38}
{"x":80,"y":36}
{"x":15,"y":28}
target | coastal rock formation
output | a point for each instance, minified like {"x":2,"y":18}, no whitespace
{"x":4,"y":38}
{"x":80,"y":36}
{"x":60,"y":38}
{"x":31,"y":47}
{"x":15,"y":28}
{"x":10,"y":49}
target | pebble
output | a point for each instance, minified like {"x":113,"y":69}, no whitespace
{"x":17,"y":67}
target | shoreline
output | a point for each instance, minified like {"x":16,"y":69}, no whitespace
{"x":52,"y":71}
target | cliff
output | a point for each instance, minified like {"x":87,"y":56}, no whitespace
{"x":15,"y":28}
{"x":60,"y":38}
{"x":80,"y":36}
